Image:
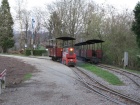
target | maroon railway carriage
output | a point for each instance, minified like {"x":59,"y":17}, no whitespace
{"x":65,"y":53}
{"x":78,"y":49}
{"x":54,"y":51}
{"x":90,"y":50}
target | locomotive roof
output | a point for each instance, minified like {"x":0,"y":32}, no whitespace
{"x":66,"y":38}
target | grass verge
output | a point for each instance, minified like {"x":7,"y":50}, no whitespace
{"x":27,"y":76}
{"x":133,"y":71}
{"x":107,"y":76}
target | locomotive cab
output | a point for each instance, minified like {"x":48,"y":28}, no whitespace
{"x":69,"y":56}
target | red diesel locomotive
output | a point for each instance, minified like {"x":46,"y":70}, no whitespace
{"x":69,"y":57}
{"x":65,"y":53}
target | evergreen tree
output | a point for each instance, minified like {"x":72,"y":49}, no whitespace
{"x":6,"y":27}
{"x":136,"y":23}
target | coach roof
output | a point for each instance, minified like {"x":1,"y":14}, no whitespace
{"x":66,"y":38}
{"x":94,"y":41}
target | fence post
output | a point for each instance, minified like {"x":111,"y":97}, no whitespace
{"x":3,"y":83}
{"x":0,"y":87}
{"x":2,"y":80}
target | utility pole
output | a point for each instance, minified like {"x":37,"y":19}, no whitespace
{"x":26,"y":35}
{"x":32,"y":40}
{"x":33,"y":21}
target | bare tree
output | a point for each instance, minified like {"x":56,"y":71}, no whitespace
{"x":70,"y":14}
{"x":26,"y":17}
{"x":93,"y":21}
{"x":23,"y":20}
{"x":19,"y":18}
{"x":38,"y":15}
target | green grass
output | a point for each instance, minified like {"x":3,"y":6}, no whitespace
{"x":133,"y":71}
{"x":27,"y":76}
{"x":107,"y":76}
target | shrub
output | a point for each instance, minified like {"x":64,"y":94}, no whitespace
{"x":35,"y":52}
{"x":27,"y":52}
{"x":38,"y":52}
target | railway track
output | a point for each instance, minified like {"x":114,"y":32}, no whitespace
{"x":132,"y":76}
{"x":94,"y":85}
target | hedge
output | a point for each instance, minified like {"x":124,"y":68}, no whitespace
{"x":36,"y":52}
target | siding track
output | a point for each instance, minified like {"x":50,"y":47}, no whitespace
{"x":108,"y":93}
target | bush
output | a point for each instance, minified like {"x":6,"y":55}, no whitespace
{"x":138,"y":63}
{"x":27,"y":52}
{"x":35,"y":52}
{"x":38,"y":52}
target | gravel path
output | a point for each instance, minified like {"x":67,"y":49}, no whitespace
{"x":51,"y":85}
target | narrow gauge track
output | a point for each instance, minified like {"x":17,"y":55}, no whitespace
{"x":97,"y":87}
{"x":91,"y":87}
{"x":123,"y":72}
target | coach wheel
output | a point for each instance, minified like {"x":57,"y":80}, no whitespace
{"x":62,"y":61}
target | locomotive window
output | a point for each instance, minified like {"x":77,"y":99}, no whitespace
{"x":67,"y":50}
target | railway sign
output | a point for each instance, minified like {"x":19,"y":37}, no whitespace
{"x":125,"y":59}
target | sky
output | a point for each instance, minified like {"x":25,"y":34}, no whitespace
{"x":119,"y":4}
{"x":31,"y":3}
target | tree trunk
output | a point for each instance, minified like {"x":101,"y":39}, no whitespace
{"x":4,"y":49}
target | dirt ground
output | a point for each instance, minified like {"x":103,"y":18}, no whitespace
{"x":16,"y":70}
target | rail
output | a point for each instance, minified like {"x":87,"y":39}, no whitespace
{"x":123,"y":72}
{"x":95,"y":88}
{"x":105,"y":88}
